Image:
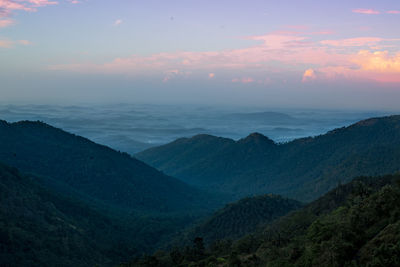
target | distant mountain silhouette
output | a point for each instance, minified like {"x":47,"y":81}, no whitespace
{"x":63,"y":160}
{"x":303,"y":169}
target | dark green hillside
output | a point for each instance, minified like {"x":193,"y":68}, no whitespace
{"x":240,"y":218}
{"x":303,"y":169}
{"x":356,"y":224}
{"x":40,"y":228}
{"x":94,"y":171}
{"x":216,"y":160}
{"x":183,"y":153}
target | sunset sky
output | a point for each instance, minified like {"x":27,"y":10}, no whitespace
{"x":333,"y":54}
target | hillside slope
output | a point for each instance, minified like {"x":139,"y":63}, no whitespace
{"x":42,"y":228}
{"x":303,"y":169}
{"x":240,"y":218}
{"x":357,"y":224}
{"x":96,"y":172}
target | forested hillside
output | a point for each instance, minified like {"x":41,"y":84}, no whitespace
{"x":302,"y":169}
{"x":64,"y":160}
{"x":79,"y":203}
{"x":41,"y":228}
{"x":357,"y":224}
{"x":240,"y":218}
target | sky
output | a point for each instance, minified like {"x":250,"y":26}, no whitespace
{"x":297,"y":53}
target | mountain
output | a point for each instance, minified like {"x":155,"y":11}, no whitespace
{"x":42,"y":228}
{"x":240,"y":218}
{"x":303,"y":169}
{"x":69,"y":163}
{"x":356,"y":224}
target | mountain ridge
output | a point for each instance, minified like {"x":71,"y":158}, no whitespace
{"x":369,"y":147}
{"x":98,"y":171}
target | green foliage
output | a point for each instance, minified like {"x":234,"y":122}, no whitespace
{"x":66,"y":162}
{"x":123,"y":206}
{"x":243,"y":217}
{"x":303,"y":169}
{"x":357,"y":224}
{"x":47,"y":228}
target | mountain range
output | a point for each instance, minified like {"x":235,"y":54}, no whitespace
{"x":67,"y":201}
{"x":302,"y":169}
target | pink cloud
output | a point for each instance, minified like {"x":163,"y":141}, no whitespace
{"x":39,"y":3}
{"x":247,"y":80}
{"x":10,"y":44}
{"x":286,"y":49}
{"x":6,"y":43}
{"x":366,"y":11}
{"x":325,"y":32}
{"x":378,"y":66}
{"x":361,"y":41}
{"x":393,"y":12}
{"x":8,"y":6}
{"x":6,"y":22}
{"x":271,"y":54}
{"x":243,"y":80}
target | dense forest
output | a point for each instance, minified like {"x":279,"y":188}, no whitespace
{"x":357,"y":224}
{"x":102,"y":174}
{"x":303,"y":169}
{"x":41,"y":227}
{"x":242,"y":217}
{"x":69,"y":190}
{"x":67,"y":201}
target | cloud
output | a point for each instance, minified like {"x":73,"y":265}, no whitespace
{"x":393,"y":12}
{"x":9,"y":6}
{"x":170,"y":74}
{"x":173,"y":74}
{"x":309,"y":75}
{"x":24,"y":42}
{"x":39,"y":3}
{"x":271,"y":48}
{"x":377,"y":66}
{"x":6,"y":22}
{"x":118,"y":22}
{"x":271,"y":55}
{"x":6,"y":44}
{"x":244,"y":80}
{"x":378,"y":61}
{"x":25,"y":5}
{"x":361,"y":41}
{"x":10,"y":44}
{"x":366,"y":11}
